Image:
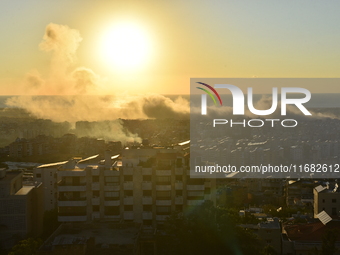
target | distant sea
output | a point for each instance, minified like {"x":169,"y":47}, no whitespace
{"x":324,"y":100}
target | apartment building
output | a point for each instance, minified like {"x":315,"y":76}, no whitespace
{"x":146,"y":186}
{"x":327,"y":199}
{"x":299,"y":192}
{"x":21,"y":211}
{"x":47,"y":175}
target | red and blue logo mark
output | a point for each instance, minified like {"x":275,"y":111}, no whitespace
{"x":209,"y":93}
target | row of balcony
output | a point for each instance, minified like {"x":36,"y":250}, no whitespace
{"x":149,"y":171}
{"x":129,"y":201}
{"x":126,"y":216}
{"x":126,"y":171}
{"x":128,"y":186}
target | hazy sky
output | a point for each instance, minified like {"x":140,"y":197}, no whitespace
{"x":218,"y":38}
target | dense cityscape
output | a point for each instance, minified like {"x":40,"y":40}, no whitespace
{"x":169,"y":127}
{"x":84,"y":194}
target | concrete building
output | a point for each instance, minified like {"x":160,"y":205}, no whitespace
{"x":327,"y":199}
{"x":21,"y":210}
{"x":299,"y":192}
{"x":150,"y":185}
{"x":47,"y":175}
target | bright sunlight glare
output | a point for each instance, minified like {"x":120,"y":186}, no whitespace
{"x":126,"y":46}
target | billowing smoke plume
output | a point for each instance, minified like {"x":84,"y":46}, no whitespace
{"x":97,"y":108}
{"x":68,"y":94}
{"x":63,"y":42}
{"x":107,"y":130}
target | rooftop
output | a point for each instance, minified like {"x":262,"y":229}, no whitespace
{"x":10,"y":175}
{"x":52,"y":164}
{"x":24,"y":190}
{"x":310,"y":231}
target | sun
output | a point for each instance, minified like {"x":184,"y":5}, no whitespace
{"x":126,"y":46}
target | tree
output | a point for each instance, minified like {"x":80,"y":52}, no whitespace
{"x":328,"y":242}
{"x":268,"y":250}
{"x":207,"y":230}
{"x":26,"y":247}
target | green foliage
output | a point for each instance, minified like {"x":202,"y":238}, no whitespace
{"x":233,"y":197}
{"x":285,"y":212}
{"x":26,"y":247}
{"x":314,"y":251}
{"x":207,"y":230}
{"x":328,"y":242}
{"x":268,"y":250}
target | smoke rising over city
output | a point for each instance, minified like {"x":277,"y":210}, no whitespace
{"x":66,"y":93}
{"x":73,"y":93}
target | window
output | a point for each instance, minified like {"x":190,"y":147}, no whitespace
{"x":323,"y":200}
{"x":179,"y":178}
{"x":333,"y":200}
{"x":163,"y":194}
{"x":38,"y":175}
{"x":112,"y":179}
{"x":163,"y":210}
{"x":95,"y":208}
{"x":95,"y":178}
{"x":193,"y":181}
{"x":128,"y":208}
{"x":111,"y":193}
{"x":147,"y":193}
{"x":147,"y":178}
{"x":147,"y":222}
{"x":95,"y":193}
{"x":196,"y":193}
{"x":207,"y":191}
{"x":128,"y":178}
{"x":179,"y":192}
{"x":111,"y":210}
{"x":128,"y":193}
{"x":147,"y":208}
{"x":75,"y":180}
{"x":163,"y":179}
{"x":179,"y":208}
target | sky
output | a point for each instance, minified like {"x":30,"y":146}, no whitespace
{"x":182,"y":40}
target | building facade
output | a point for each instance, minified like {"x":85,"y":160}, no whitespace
{"x":47,"y":175}
{"x":21,"y":212}
{"x":326,"y":199}
{"x":147,"y":186}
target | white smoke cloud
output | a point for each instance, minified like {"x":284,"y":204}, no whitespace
{"x":68,"y":94}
